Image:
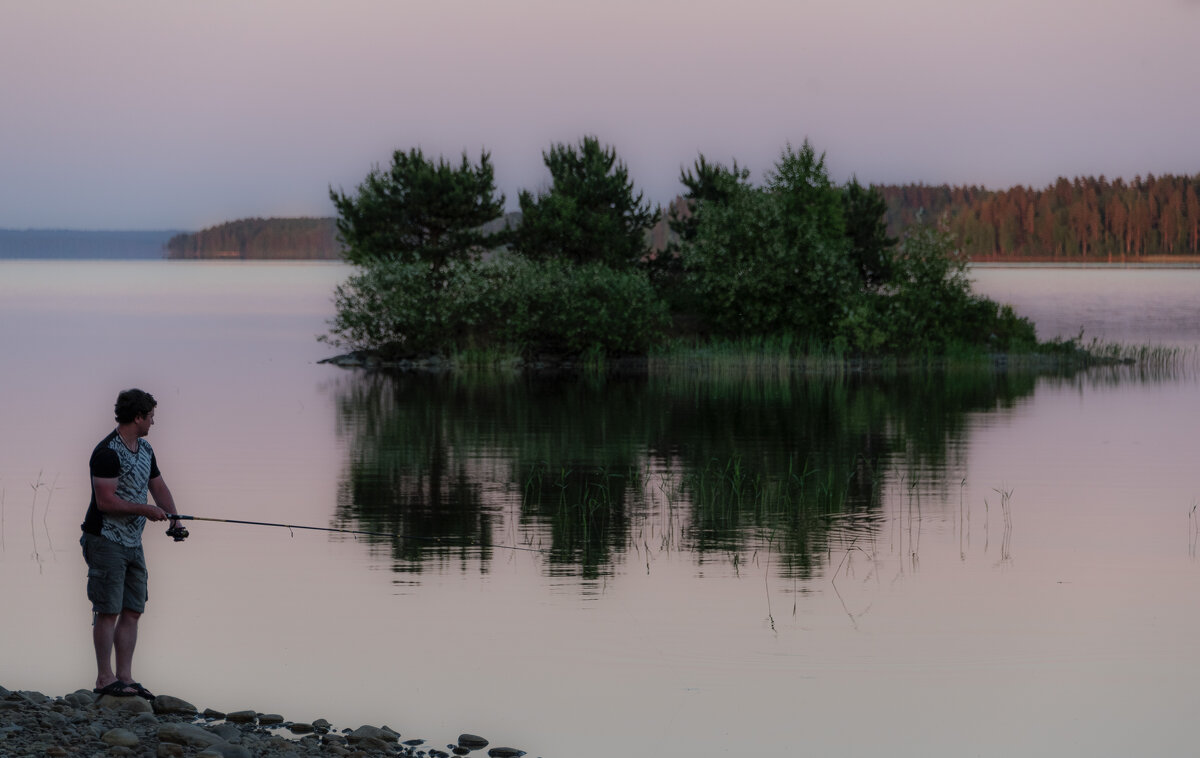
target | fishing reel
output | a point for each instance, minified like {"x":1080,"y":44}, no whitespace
{"x":178,"y":532}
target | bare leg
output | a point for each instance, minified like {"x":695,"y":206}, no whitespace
{"x":115,"y":631}
{"x":125,"y":640}
{"x":103,"y":633}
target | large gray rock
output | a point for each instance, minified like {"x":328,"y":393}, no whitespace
{"x":80,"y":698}
{"x":145,"y":719}
{"x":368,"y":732}
{"x":472,"y":741}
{"x":224,"y":750}
{"x":231,"y":733}
{"x":124,"y":704}
{"x":242,"y":717}
{"x":122,"y":737}
{"x":169,"y":704}
{"x":188,"y":734}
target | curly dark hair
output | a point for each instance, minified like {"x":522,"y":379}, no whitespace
{"x":133,"y":403}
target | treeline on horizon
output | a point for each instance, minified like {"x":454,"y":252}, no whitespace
{"x":1084,"y":219}
{"x":261,"y":239}
{"x":1080,"y":219}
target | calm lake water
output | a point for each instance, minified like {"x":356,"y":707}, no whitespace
{"x":964,"y":564}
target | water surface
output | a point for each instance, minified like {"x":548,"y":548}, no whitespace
{"x":957,"y":564}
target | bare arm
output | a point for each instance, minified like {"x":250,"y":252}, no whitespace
{"x":162,"y":496}
{"x":107,"y":500}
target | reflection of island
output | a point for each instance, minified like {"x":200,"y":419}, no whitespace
{"x":595,"y":470}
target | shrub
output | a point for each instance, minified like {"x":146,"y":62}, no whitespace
{"x":556,"y":307}
{"x":403,"y":310}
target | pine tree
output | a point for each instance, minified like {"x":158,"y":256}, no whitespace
{"x":591,"y":212}
{"x":419,"y":210}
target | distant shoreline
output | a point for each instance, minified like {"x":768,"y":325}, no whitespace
{"x":81,"y":244}
{"x":70,"y":244}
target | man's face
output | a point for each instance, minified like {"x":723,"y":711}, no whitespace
{"x":144,"y":423}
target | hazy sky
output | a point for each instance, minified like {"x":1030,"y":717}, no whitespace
{"x":149,"y":115}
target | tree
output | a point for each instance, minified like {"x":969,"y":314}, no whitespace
{"x":710,"y":183}
{"x":864,"y":211}
{"x":419,"y":210}
{"x":773,"y":260}
{"x":590,"y":213}
{"x":810,"y":202}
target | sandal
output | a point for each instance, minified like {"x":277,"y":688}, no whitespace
{"x":139,"y":690}
{"x":117,"y":689}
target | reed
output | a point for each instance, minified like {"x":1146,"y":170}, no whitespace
{"x":35,"y":486}
{"x":1006,"y":512}
{"x":1193,"y":529}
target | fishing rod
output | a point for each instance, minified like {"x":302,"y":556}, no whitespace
{"x":180,"y":533}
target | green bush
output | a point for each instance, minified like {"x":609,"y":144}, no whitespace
{"x":404,"y":310}
{"x":556,"y":307}
{"x":396,"y":309}
{"x":754,"y":271}
{"x":928,"y":307}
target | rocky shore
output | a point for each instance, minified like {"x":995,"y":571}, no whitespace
{"x":85,"y":724}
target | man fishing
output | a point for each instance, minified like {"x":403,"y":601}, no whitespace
{"x":124,"y":472}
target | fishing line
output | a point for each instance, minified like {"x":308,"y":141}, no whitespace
{"x":390,"y":535}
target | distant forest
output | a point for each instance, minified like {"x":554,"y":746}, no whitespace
{"x":1072,"y":220}
{"x":261,"y":239}
{"x":1088,"y":219}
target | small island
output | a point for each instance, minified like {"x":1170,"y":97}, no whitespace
{"x":796,"y":269}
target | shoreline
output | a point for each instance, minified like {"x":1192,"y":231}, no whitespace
{"x":85,"y":724}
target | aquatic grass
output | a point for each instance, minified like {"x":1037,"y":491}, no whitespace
{"x":845,"y":565}
{"x":1006,"y":511}
{"x":37,"y":488}
{"x":1193,"y":529}
{"x":962,"y":552}
{"x":585,"y":509}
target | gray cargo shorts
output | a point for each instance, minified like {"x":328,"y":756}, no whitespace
{"x":116,"y":575}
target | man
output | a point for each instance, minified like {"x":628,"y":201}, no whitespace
{"x":124,"y":471}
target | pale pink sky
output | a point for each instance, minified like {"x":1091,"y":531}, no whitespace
{"x":126,"y":115}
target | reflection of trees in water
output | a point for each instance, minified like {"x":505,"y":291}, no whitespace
{"x":404,"y":474}
{"x":580,"y":468}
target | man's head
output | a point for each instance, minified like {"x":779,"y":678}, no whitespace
{"x":134,"y":404}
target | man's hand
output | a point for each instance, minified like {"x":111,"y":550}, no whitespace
{"x":177,"y":532}
{"x":154,"y":513}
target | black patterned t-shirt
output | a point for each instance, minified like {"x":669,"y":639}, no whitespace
{"x":133,"y":471}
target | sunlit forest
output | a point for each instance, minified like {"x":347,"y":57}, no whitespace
{"x":1081,"y":219}
{"x":261,"y":238}
{"x":1090,"y":219}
